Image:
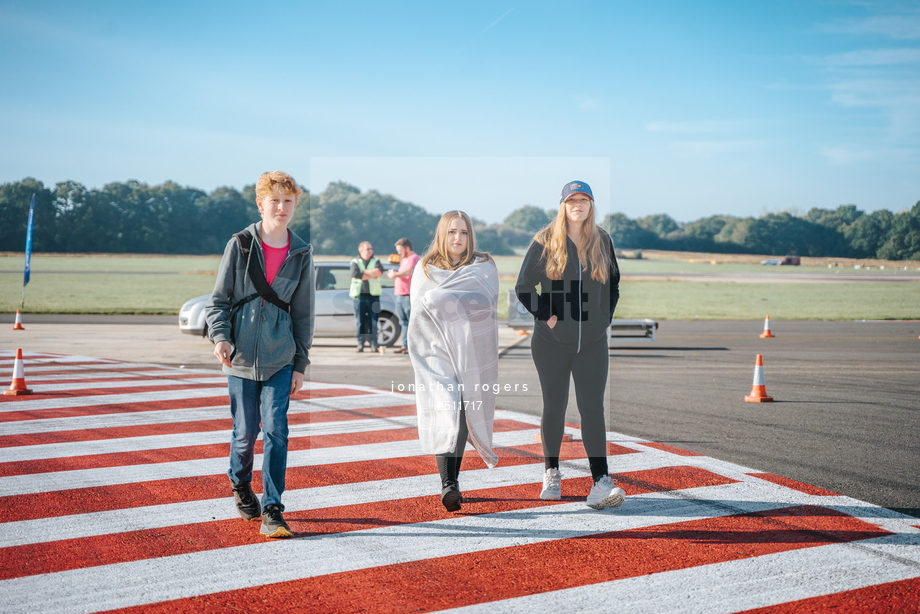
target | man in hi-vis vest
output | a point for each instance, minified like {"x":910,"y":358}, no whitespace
{"x":365,"y":289}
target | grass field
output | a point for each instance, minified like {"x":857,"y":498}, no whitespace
{"x":160,"y":284}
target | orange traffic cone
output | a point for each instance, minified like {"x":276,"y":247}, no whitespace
{"x":759,"y":391}
{"x":18,"y":386}
{"x":766,"y":329}
{"x":18,"y":324}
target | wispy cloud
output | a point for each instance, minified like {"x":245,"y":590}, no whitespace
{"x":693,"y":127}
{"x":899,"y":27}
{"x":845,"y":155}
{"x":886,"y":79}
{"x":709,"y":149}
{"x":493,"y":24}
{"x":471,"y":42}
{"x":874,"y":57}
{"x":585,"y":103}
{"x":899,"y":99}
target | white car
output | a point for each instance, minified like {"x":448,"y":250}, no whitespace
{"x":335,"y":311}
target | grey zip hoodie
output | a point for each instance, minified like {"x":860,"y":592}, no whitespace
{"x":265,"y":338}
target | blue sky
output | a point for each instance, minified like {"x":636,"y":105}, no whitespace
{"x":686,"y":108}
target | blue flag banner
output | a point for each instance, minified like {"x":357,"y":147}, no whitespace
{"x":29,"y":242}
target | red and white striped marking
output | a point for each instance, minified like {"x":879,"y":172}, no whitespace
{"x":119,"y":500}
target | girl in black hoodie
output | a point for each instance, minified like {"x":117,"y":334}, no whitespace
{"x":573,"y":261}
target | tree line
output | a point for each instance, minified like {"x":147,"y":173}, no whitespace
{"x":844,"y":232}
{"x":133,"y":217}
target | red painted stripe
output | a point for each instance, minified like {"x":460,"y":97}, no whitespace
{"x":115,"y":408}
{"x":87,"y":392}
{"x":196,"y":537}
{"x":160,"y":492}
{"x":7,"y":441}
{"x":666,"y":448}
{"x":49,"y":360}
{"x":506,"y":573}
{"x":169,"y":455}
{"x":808,"y":489}
{"x":325,"y":393}
{"x":896,"y":597}
{"x":117,"y":432}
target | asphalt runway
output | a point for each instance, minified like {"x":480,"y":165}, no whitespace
{"x":846,"y":416}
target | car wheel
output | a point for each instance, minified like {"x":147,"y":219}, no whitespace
{"x":388,"y":330}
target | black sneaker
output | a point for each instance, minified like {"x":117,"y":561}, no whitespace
{"x":451,"y":498}
{"x":273,"y":524}
{"x":246,"y":502}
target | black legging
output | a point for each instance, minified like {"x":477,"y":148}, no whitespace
{"x":449,"y":463}
{"x":589,"y":370}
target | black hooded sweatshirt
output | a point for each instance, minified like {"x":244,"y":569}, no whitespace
{"x":583,"y":306}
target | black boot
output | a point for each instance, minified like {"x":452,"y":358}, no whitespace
{"x":450,"y":491}
{"x":451,"y":498}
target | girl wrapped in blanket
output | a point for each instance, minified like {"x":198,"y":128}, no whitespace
{"x":453,"y":346}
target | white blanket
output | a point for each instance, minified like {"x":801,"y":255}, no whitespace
{"x":453,"y":344}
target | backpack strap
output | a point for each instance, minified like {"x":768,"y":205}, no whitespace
{"x":257,"y":275}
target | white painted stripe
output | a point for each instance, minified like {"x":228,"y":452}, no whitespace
{"x":191,"y":414}
{"x":107,"y":476}
{"x":359,"y":401}
{"x":127,"y":584}
{"x":103,"y":421}
{"x":153,"y":442}
{"x":100,"y":375}
{"x":45,"y":388}
{"x":343,"y":402}
{"x":66,"y":359}
{"x":65,"y":370}
{"x":757,"y":582}
{"x":11,"y":354}
{"x":180,"y":440}
{"x":114,"y":399}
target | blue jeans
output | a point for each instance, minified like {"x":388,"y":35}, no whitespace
{"x":367,"y":311}
{"x":403,"y":308}
{"x":267,"y":402}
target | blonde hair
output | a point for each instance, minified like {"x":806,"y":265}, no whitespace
{"x":593,"y":248}
{"x":439,"y":256}
{"x":275,"y":180}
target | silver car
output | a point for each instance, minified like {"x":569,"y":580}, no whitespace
{"x":335,"y":310}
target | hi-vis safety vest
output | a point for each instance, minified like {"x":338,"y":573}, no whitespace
{"x":373,"y":285}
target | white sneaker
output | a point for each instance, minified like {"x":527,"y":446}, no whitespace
{"x":605,"y":494}
{"x":552,"y":485}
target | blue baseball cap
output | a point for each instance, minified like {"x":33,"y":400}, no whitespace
{"x":575,"y":187}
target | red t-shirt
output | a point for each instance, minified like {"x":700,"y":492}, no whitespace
{"x":274,"y":257}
